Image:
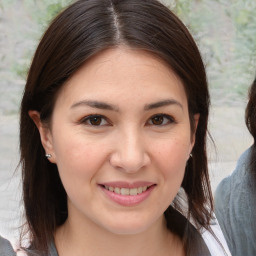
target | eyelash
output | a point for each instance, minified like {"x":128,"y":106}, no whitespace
{"x":89,"y":118}
{"x":164,"y":119}
{"x":168,"y":119}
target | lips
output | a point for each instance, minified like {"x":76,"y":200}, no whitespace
{"x":128,"y":194}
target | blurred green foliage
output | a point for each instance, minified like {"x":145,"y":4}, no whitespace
{"x":5,"y":3}
{"x":225,"y":31}
{"x":44,"y":11}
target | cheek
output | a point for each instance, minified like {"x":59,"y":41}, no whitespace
{"x":77,"y":151}
{"x":78,"y":164}
{"x":175,"y":150}
{"x":171,"y":158}
{"x":78,"y":161}
{"x":170,"y":163}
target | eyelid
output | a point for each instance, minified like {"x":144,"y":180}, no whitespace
{"x":85,"y":119}
{"x":170,"y":118}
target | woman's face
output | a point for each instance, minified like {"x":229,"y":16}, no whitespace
{"x":120,"y":136}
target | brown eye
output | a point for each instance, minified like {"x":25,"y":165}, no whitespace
{"x":157,"y":120}
{"x":161,"y":120}
{"x":95,"y":120}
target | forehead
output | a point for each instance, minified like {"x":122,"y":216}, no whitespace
{"x":123,"y":74}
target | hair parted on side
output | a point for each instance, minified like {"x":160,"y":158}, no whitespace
{"x":82,"y":30}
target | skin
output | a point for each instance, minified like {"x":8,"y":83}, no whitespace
{"x":127,"y":142}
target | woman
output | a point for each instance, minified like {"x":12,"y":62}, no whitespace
{"x":235,"y":195}
{"x":112,"y":136}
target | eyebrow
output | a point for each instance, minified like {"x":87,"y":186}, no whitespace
{"x":106,"y":106}
{"x":95,"y":104}
{"x":163,"y":103}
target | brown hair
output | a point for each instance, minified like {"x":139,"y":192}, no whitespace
{"x":79,"y":32}
{"x":250,"y":119}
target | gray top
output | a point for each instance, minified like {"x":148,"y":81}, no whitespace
{"x":6,"y":248}
{"x":235,"y":208}
{"x":53,"y":250}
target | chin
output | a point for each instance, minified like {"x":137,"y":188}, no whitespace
{"x":126,"y":227}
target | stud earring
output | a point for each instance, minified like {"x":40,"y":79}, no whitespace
{"x":48,"y":156}
{"x":191,"y":155}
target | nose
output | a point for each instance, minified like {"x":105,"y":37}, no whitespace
{"x":130,"y":154}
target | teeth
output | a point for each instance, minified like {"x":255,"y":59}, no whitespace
{"x":133,"y":192}
{"x":127,"y":191}
{"x":124,"y":191}
{"x":117,"y":190}
{"x":140,"y":189}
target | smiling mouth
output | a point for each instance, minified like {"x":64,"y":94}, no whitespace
{"x":126,"y":194}
{"x":127,"y":191}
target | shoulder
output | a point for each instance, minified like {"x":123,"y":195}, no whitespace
{"x":232,"y":186}
{"x":6,"y":248}
{"x":235,"y":207}
{"x":234,"y":194}
{"x":243,"y":161}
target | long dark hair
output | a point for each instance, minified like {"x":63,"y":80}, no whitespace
{"x":250,"y":119}
{"x":79,"y":32}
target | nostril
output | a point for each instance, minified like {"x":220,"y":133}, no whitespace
{"x":130,"y":156}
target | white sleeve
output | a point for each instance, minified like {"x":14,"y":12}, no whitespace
{"x":214,"y":245}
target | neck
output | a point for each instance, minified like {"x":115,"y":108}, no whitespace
{"x":83,"y":238}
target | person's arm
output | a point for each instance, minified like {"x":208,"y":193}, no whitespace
{"x":222,"y":203}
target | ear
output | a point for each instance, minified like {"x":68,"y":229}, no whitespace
{"x":196,"y":120}
{"x":45,"y":134}
{"x":193,"y":134}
